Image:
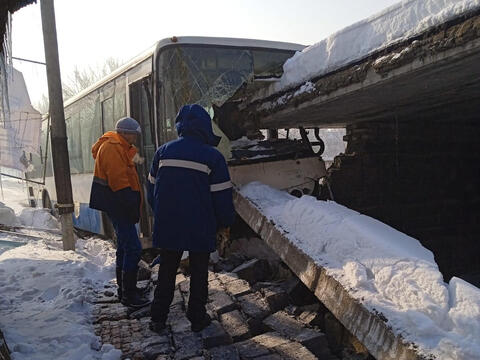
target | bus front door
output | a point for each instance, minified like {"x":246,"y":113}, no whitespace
{"x":141,"y":109}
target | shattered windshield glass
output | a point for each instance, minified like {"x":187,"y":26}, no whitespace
{"x":207,"y":75}
{"x":203,"y":75}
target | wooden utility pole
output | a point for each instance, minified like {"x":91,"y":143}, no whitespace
{"x":61,"y":165}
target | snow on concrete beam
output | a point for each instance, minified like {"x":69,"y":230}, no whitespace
{"x":417,"y":74}
{"x":370,"y":328}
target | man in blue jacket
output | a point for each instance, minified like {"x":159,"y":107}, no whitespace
{"x":191,"y":196}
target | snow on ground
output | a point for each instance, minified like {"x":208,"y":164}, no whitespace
{"x":383,"y":268}
{"x":46,"y":293}
{"x":394,"y":24}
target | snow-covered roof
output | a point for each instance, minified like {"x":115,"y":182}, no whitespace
{"x":373,"y":68}
{"x":397,"y":23}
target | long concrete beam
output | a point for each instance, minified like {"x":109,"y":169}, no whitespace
{"x":440,"y":67}
{"x":369,"y":328}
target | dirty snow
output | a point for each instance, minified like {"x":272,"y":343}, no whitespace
{"x":308,"y":87}
{"x":46,"y":293}
{"x":383,"y":268}
{"x":394,"y":24}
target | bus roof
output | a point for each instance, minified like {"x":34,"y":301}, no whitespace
{"x":235,"y":42}
{"x":185,"y":40}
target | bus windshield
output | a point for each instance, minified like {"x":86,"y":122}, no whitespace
{"x":207,"y":75}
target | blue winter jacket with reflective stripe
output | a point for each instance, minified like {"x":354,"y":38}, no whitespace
{"x":189,"y":186}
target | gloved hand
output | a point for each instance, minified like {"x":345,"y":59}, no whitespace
{"x":224,"y":232}
{"x":223,"y":237}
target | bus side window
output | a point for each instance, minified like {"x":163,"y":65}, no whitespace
{"x":74,"y":143}
{"x":119,"y":103}
{"x":107,"y":115}
{"x":91,"y":128}
{"x":106,"y":97}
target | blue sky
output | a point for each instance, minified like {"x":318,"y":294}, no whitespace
{"x":90,"y":31}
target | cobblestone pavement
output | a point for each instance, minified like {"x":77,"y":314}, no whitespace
{"x":249,"y":322}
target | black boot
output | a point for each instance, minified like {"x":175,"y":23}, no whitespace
{"x":141,"y":291}
{"x":199,"y":321}
{"x":130,"y":295}
{"x":118,"y":272}
{"x":157,"y":326}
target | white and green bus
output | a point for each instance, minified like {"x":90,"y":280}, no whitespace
{"x":151,"y":88}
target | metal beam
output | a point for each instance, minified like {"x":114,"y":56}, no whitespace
{"x":32,"y":61}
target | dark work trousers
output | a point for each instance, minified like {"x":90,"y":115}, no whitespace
{"x":170,"y":260}
{"x":129,"y":248}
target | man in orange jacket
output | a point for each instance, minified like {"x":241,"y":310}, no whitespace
{"x":116,"y":190}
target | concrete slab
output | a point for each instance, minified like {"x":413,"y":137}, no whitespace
{"x":368,"y":327}
{"x":221,"y":302}
{"x":235,"y":325}
{"x":188,"y":345}
{"x":254,"y":306}
{"x":226,"y":277}
{"x":228,"y":352}
{"x":215,"y":335}
{"x":294,"y":350}
{"x":238,"y":287}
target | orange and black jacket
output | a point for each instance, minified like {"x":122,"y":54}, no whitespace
{"x":115,"y":186}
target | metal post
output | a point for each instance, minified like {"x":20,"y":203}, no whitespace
{"x":1,"y":187}
{"x":61,"y":165}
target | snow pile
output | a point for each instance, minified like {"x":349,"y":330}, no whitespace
{"x":44,"y":299}
{"x":14,"y":193}
{"x":38,"y":218}
{"x":7,"y":215}
{"x":308,"y":87}
{"x":383,"y":268}
{"x":394,"y":24}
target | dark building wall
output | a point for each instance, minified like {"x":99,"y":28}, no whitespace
{"x":419,"y":173}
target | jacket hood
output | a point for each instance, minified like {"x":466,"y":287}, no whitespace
{"x":113,"y":137}
{"x":193,"y":120}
